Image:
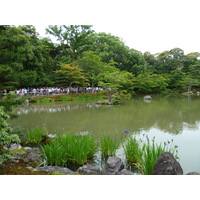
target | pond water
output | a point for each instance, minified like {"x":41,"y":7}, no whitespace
{"x":166,"y":118}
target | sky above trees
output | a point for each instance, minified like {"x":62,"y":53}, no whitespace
{"x":144,"y":25}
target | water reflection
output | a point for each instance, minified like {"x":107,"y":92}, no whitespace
{"x":167,"y":114}
{"x":52,"y":108}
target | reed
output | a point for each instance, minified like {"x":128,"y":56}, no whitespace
{"x":70,"y":149}
{"x":151,"y":152}
{"x":133,"y":151}
{"x":145,"y":154}
{"x":109,"y":146}
{"x":35,"y":135}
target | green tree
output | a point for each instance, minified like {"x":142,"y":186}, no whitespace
{"x":74,"y":39}
{"x":151,"y":83}
{"x":112,"y":48}
{"x":190,"y":59}
{"x":115,"y":81}
{"x":176,"y":78}
{"x":40,"y":66}
{"x":71,"y":74}
{"x":5,"y":137}
{"x":93,"y":67}
{"x":15,"y":48}
{"x":169,"y":60}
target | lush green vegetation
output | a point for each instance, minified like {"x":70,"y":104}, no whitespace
{"x":144,"y":155}
{"x":70,"y":149}
{"x":36,"y":135}
{"x":82,"y":57}
{"x":109,"y":145}
{"x":5,"y":136}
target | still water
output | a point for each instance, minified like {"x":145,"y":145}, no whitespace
{"x":166,"y":118}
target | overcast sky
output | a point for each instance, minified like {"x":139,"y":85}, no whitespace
{"x":145,"y":25}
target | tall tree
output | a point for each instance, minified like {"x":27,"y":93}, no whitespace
{"x":15,"y":49}
{"x":74,"y":39}
{"x":115,"y":81}
{"x":112,"y":48}
{"x":169,"y":60}
{"x":71,"y":74}
{"x":93,"y":66}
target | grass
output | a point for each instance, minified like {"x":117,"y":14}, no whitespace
{"x":144,"y":156}
{"x":70,"y":149}
{"x":108,"y":146}
{"x":35,"y":135}
{"x":151,"y":152}
{"x":132,"y":150}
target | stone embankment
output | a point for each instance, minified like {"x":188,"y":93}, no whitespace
{"x":165,"y":165}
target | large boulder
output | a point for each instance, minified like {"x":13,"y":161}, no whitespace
{"x":112,"y":166}
{"x":62,"y":170}
{"x":32,"y":157}
{"x":89,"y":170}
{"x":167,"y":165}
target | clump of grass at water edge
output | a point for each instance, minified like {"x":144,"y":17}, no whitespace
{"x":145,"y":154}
{"x":35,"y":135}
{"x":109,"y":146}
{"x":70,"y":149}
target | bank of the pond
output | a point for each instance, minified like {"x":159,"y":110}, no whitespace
{"x":165,"y":117}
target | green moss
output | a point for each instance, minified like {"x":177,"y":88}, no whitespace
{"x":57,"y":173}
{"x":18,"y":151}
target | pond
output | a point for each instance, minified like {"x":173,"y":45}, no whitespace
{"x":165,"y":117}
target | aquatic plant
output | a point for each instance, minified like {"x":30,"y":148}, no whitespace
{"x":35,"y":135}
{"x":109,"y":146}
{"x":145,"y":154}
{"x":151,"y":152}
{"x":132,"y":150}
{"x":69,"y":149}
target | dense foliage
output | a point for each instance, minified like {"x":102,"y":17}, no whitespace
{"x":83,"y":57}
{"x":5,"y":136}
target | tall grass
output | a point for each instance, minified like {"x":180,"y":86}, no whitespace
{"x":144,"y":156}
{"x":70,"y":149}
{"x":109,"y":146}
{"x":35,"y":135}
{"x":132,"y":151}
{"x":151,"y":152}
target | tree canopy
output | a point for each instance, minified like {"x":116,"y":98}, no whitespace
{"x":81,"y":56}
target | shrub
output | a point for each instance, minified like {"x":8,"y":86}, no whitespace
{"x":109,"y":146}
{"x":5,"y":137}
{"x":70,"y":149}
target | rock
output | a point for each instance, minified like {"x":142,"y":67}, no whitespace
{"x":89,"y":170}
{"x":32,"y":156}
{"x":27,"y":148}
{"x":62,"y":170}
{"x":167,"y":165}
{"x":125,"y":172}
{"x":147,"y":97}
{"x":193,"y":173}
{"x":51,"y":136}
{"x":113,"y":166}
{"x":13,"y":147}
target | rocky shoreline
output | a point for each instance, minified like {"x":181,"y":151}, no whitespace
{"x":32,"y":161}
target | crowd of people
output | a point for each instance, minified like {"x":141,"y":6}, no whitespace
{"x":45,"y":91}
